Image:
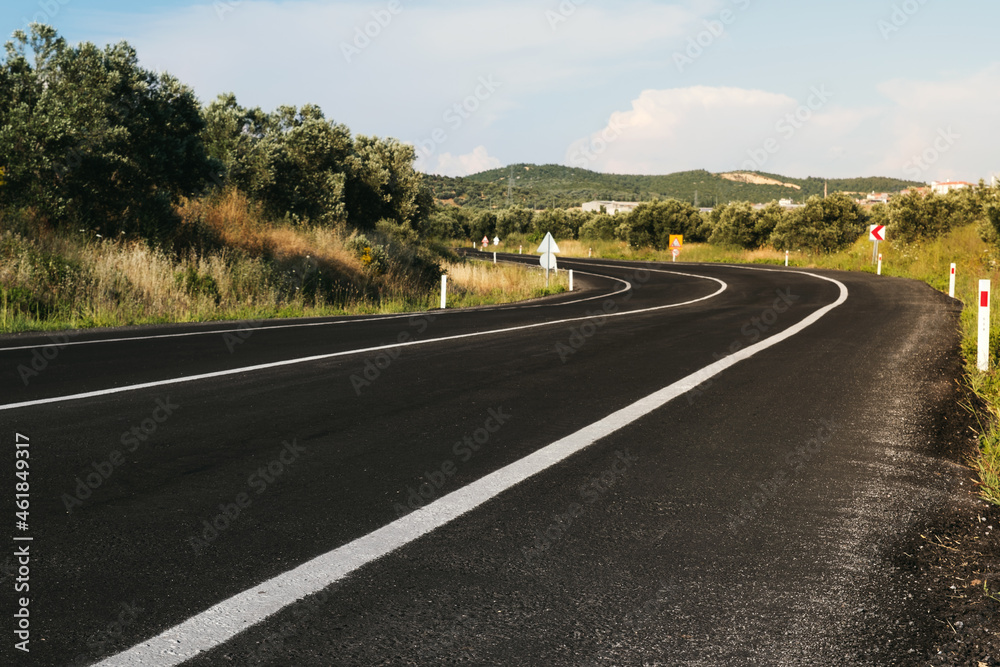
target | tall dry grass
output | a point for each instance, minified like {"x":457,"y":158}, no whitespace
{"x":477,"y":282}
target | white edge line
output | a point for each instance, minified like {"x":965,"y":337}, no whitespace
{"x":230,"y":617}
{"x":344,"y":353}
{"x":303,"y":325}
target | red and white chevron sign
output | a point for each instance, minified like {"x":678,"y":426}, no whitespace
{"x":876,"y":233}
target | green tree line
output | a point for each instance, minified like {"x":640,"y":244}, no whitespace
{"x":91,"y":140}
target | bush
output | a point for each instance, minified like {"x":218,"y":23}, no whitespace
{"x":822,"y":225}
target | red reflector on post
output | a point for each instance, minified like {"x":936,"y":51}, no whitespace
{"x":984,"y":299}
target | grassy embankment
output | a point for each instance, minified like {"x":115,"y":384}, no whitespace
{"x":235,"y":265}
{"x":928,"y":261}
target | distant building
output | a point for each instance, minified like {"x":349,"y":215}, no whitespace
{"x":945,"y":187}
{"x":611,"y":207}
{"x":878,"y":198}
{"x":786,"y":203}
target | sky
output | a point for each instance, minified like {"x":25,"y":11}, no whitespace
{"x":900,"y":88}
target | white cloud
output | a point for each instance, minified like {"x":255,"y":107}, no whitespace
{"x":679,"y":129}
{"x":394,"y":74}
{"x":462,"y":165}
{"x":924,"y":130}
{"x":941,"y":130}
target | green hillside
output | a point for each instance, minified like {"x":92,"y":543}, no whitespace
{"x":544,"y":186}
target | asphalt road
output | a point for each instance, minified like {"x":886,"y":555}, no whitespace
{"x":756,"y":518}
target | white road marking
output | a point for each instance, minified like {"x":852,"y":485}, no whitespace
{"x":230,"y":617}
{"x":303,"y":325}
{"x":344,"y":353}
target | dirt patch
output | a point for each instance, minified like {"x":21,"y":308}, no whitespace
{"x":756,"y":179}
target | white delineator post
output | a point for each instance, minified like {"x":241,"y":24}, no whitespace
{"x":571,"y":280}
{"x":951,"y":283}
{"x":494,"y":258}
{"x":984,"y":325}
{"x":786,"y":258}
{"x":880,"y":264}
{"x":444,"y":292}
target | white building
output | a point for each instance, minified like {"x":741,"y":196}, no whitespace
{"x":945,"y":187}
{"x":611,"y":207}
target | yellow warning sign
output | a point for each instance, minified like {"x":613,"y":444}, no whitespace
{"x":676,"y":241}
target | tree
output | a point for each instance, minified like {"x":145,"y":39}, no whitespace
{"x":735,"y":224}
{"x":652,"y":223}
{"x":91,"y":139}
{"x":514,"y":220}
{"x":554,"y":220}
{"x":449,"y":222}
{"x":600,"y":227}
{"x":823,"y":224}
{"x":765,"y":222}
{"x":484,"y":224}
{"x":301,"y":166}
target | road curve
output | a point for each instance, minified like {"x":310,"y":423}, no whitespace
{"x":749,"y":518}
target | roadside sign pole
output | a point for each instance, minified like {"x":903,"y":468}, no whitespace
{"x":984,"y":325}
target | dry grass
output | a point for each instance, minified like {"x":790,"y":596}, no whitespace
{"x":239,"y":224}
{"x":482,"y":282}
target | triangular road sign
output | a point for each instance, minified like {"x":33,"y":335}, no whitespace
{"x":548,"y":244}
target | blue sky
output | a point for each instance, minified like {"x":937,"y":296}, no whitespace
{"x":905,"y":88}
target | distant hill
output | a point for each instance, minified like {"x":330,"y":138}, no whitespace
{"x":542,"y":186}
